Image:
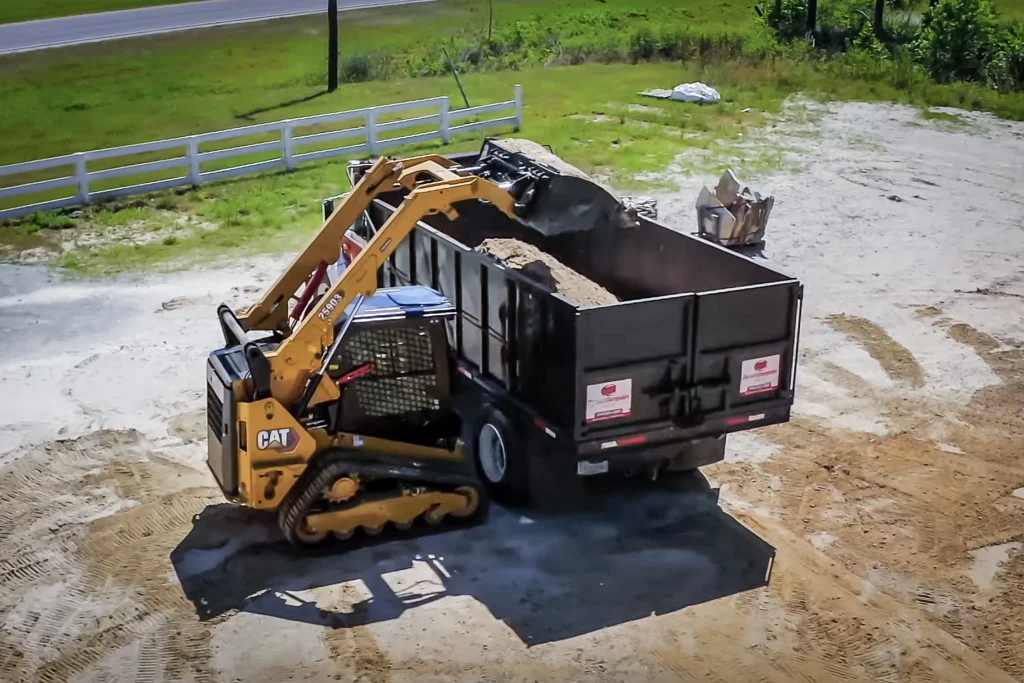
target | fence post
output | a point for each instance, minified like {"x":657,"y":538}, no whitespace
{"x":83,"y":178}
{"x":193,"y":161}
{"x":519,"y":107}
{"x":289,"y":146}
{"x":371,"y":131}
{"x":446,"y":107}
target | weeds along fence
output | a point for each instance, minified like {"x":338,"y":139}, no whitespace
{"x":101,"y":174}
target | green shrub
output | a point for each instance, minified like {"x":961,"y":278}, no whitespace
{"x":845,"y":16}
{"x":788,"y":17}
{"x":1006,"y":68}
{"x":642,"y":44}
{"x":868,"y":43}
{"x":356,"y":69}
{"x":958,"y":39}
{"x":672,"y":42}
{"x":52,"y":220}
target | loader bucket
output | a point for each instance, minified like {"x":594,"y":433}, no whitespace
{"x":553,"y":197}
{"x":564,"y":204}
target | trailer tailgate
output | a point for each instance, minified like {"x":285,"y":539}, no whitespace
{"x":693,"y":361}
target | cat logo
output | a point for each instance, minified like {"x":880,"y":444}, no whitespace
{"x":284,"y":440}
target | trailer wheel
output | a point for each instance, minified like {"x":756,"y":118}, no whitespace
{"x":500,"y":457}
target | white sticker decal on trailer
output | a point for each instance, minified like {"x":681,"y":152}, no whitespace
{"x":759,"y":375}
{"x":609,"y":400}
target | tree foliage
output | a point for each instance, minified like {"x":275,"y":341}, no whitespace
{"x":958,"y":40}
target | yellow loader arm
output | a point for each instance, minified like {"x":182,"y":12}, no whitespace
{"x":433,"y":188}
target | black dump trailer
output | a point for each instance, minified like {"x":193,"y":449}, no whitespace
{"x":702,"y":343}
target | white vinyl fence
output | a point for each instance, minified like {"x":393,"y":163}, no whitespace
{"x":372,"y":132}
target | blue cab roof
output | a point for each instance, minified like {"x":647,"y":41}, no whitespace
{"x":412,"y":301}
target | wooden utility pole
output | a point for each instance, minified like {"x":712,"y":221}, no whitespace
{"x":332,"y":45}
{"x":879,"y":19}
{"x":490,"y":19}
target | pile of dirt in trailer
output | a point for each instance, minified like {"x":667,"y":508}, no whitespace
{"x":548,"y":270}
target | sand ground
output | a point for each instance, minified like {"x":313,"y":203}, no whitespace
{"x":890,"y":511}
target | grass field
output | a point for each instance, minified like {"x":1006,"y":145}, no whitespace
{"x":88,"y":97}
{"x":1011,"y":9}
{"x":162,"y":86}
{"x":57,"y":101}
{"x":585,"y":113}
{"x":27,"y":10}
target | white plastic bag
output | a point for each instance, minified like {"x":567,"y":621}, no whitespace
{"x":695,"y":92}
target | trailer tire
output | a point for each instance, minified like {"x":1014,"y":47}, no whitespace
{"x":500,"y":456}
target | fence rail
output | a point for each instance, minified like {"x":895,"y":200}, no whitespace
{"x":372,"y":133}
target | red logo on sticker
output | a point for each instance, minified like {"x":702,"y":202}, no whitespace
{"x":760,"y":365}
{"x":608,"y":390}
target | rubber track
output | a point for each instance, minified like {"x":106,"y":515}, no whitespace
{"x":329,"y":466}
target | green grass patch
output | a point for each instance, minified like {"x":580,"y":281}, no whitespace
{"x":1011,"y":9}
{"x":180,"y":84}
{"x":591,"y":115}
{"x":27,"y":10}
{"x":931,"y":115}
{"x":167,"y":86}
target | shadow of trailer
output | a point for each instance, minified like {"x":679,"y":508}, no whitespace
{"x":639,"y":548}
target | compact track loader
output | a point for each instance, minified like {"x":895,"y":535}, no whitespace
{"x":285,"y":431}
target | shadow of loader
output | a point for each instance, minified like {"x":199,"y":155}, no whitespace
{"x":638,"y":550}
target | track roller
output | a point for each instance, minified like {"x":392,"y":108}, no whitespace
{"x":433,"y":516}
{"x":308,"y":536}
{"x":341,"y":490}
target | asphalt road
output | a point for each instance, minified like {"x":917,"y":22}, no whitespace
{"x":90,"y":28}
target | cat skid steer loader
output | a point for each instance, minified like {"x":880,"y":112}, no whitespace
{"x":284,"y":435}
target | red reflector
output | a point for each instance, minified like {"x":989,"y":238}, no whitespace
{"x":633,"y":440}
{"x":544,"y":425}
{"x":743,"y":420}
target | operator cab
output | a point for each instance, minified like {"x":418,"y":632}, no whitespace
{"x":393,"y":369}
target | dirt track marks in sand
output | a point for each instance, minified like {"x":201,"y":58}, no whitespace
{"x":85,"y":571}
{"x":896,"y":359}
{"x":910,"y":510}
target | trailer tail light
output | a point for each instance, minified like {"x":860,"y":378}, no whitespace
{"x":733,"y":421}
{"x":627,"y":441}
{"x":544,"y":425}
